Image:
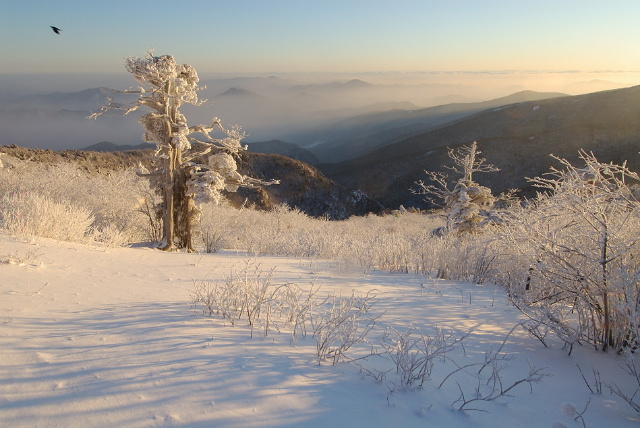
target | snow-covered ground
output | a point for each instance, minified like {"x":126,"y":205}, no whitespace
{"x":96,"y":337}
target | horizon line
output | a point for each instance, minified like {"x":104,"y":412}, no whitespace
{"x":429,"y":72}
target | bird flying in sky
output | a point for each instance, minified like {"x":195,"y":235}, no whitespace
{"x":55,"y":29}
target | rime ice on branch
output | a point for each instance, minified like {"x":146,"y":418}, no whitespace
{"x":468,"y":205}
{"x":182,"y":181}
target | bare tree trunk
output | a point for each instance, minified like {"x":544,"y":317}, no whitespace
{"x":183,"y":212}
{"x":168,"y":188}
{"x":470,"y":161}
{"x":168,"y":177}
{"x":608,"y":334}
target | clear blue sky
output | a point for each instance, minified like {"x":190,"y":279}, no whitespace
{"x":322,"y":35}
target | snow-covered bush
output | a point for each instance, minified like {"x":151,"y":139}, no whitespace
{"x":394,"y":243}
{"x":250,"y":295}
{"x":124,"y":205}
{"x":468,"y":206}
{"x":336,"y":323}
{"x":112,"y":197}
{"x":20,"y":258}
{"x":579,"y":241}
{"x":217,"y":225}
{"x":342,"y":325}
{"x":464,"y":257}
{"x":239,"y":295}
{"x":414,"y":353}
{"x":148,"y":204}
{"x":33,"y":214}
{"x":110,"y":236}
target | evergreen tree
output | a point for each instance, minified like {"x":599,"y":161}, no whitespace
{"x":468,"y":205}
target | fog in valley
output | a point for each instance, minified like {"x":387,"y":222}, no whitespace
{"x":49,"y":111}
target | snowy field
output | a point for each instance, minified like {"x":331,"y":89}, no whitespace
{"x":97,"y":337}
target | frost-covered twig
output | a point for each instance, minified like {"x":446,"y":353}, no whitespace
{"x":633,"y":369}
{"x":571,"y":411}
{"x":251,"y":295}
{"x":341,"y":326}
{"x":497,"y":388}
{"x":597,"y":381}
{"x":414,"y":353}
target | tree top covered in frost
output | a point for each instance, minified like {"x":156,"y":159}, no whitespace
{"x":160,"y":71}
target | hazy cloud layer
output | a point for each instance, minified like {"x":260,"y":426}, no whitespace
{"x":49,"y":111}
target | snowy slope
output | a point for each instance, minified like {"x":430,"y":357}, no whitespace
{"x":95,"y":337}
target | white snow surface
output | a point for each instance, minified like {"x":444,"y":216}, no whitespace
{"x":106,"y":337}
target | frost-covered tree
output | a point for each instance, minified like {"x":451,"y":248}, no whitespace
{"x":183,"y":178}
{"x":468,"y":205}
{"x":582,"y":237}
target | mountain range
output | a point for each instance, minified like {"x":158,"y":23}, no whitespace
{"x":517,"y":134}
{"x":301,"y":185}
{"x":357,"y":136}
{"x":107,"y":146}
{"x":301,"y":111}
{"x":517,"y":138}
{"x":358,"y":139}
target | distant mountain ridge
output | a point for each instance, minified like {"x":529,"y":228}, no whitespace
{"x":353,"y":84}
{"x":518,"y":138}
{"x":84,"y":100}
{"x":376,"y":141}
{"x":238,"y":92}
{"x":279,"y":147}
{"x":267,"y":108}
{"x":302,"y":186}
{"x":106,"y":146}
{"x":363,"y":134}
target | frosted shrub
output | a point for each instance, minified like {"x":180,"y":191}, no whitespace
{"x":490,"y":381}
{"x":414,"y":353}
{"x":147,"y":205}
{"x":114,"y":198}
{"x":337,"y":324}
{"x":632,"y":368}
{"x":384,"y":243}
{"x":341,"y":325}
{"x":34,"y":214}
{"x":110,"y":236}
{"x":283,"y":231}
{"x":391,"y":243}
{"x":251,"y":295}
{"x":468,"y":206}
{"x":21,"y":258}
{"x":492,"y":386}
{"x":216,"y":226}
{"x":467,"y":257}
{"x":237,"y":296}
{"x":581,"y":241}
{"x":406,"y":244}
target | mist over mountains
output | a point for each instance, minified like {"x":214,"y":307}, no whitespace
{"x":377,"y":138}
{"x":517,"y":138}
{"x":360,"y":135}
{"x":58,"y":120}
{"x":267,"y":108}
